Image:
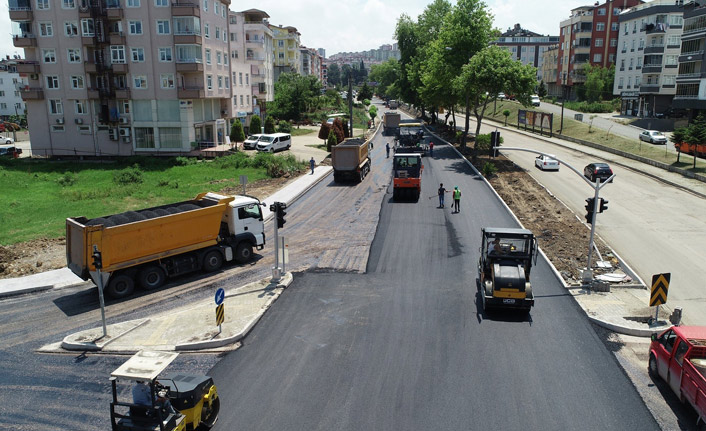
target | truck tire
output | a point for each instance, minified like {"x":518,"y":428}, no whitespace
{"x":243,"y":252}
{"x":336,"y":177}
{"x":209,"y":418}
{"x":151,"y":277}
{"x":212,"y":261}
{"x":120,"y":286}
{"x":652,"y":366}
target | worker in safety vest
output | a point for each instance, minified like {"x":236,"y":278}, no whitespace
{"x":457,"y":199}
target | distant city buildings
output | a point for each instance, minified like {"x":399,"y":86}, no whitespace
{"x":526,"y":46}
{"x":370,"y":57}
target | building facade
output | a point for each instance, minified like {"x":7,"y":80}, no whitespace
{"x":549,"y":70}
{"x":648,"y":57}
{"x":691,"y":77}
{"x":589,"y":37}
{"x":11,"y":83}
{"x":259,"y":55}
{"x":287,"y":52}
{"x":526,"y":46}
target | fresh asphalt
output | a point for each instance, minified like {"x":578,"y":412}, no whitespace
{"x":406,"y":346}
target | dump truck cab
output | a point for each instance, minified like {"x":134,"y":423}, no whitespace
{"x":407,"y":175}
{"x":194,"y":398}
{"x":506,"y":259}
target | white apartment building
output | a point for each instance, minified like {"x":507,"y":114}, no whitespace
{"x":11,"y":82}
{"x":647,"y":60}
{"x":259,"y":55}
{"x":240,"y":71}
{"x":122,"y":77}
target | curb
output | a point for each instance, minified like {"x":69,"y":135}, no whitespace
{"x":93,"y":347}
{"x":297,"y":196}
{"x":635,"y":332}
{"x":200,"y":345}
{"x":24,"y":290}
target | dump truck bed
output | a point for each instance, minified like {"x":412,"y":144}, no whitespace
{"x":132,"y":238}
{"x":349,"y":154}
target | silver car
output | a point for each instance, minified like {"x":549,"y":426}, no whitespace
{"x":653,"y":137}
{"x":546,"y":163}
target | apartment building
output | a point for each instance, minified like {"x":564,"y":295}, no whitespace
{"x":11,"y":82}
{"x":259,"y":56}
{"x":526,"y":46}
{"x":312,"y":63}
{"x":691,"y":77}
{"x":648,"y":58}
{"x":287,"y":52}
{"x":589,"y":36}
{"x":122,"y":77}
{"x":549,"y":70}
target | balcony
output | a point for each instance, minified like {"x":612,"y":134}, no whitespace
{"x":114,"y":13}
{"x":652,"y":68}
{"x":696,"y":75}
{"x":191,"y":93}
{"x":119,"y":67}
{"x":28,"y":67}
{"x":189,"y":65}
{"x":88,"y":40}
{"x":649,"y":88}
{"x":122,"y":93}
{"x":93,"y":93}
{"x":654,"y":49}
{"x":21,"y":13}
{"x":691,"y":56}
{"x":187,"y":37}
{"x":185,"y":8}
{"x":254,"y":58}
{"x":90,"y":67}
{"x":26,"y":40}
{"x":117,"y":39}
{"x":255,"y":41}
{"x":659,"y":27}
{"x":32,"y":93}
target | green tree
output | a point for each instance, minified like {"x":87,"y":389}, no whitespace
{"x":541,"y":89}
{"x":696,"y":134}
{"x":331,"y":141}
{"x":334,"y":74}
{"x":236,"y":132}
{"x":255,"y":125}
{"x":365,"y":92}
{"x":373,"y":112}
{"x":386,"y":75}
{"x":324,"y":131}
{"x":294,"y":95}
{"x":338,"y":130}
{"x":489,"y":72}
{"x":269,"y":124}
{"x":506,"y":113}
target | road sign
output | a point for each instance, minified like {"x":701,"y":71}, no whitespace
{"x":220,"y":295}
{"x":220,"y":314}
{"x":660,"y":286}
{"x":243,"y":179}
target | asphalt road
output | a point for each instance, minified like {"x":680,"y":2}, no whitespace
{"x":405,"y":346}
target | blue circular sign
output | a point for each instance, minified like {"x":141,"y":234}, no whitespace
{"x":220,"y":296}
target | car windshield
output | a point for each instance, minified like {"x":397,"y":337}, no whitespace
{"x":655,"y":133}
{"x":509,"y":245}
{"x":405,"y":162}
{"x":252,"y":138}
{"x":266,"y":139}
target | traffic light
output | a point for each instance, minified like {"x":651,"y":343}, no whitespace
{"x":590,"y":202}
{"x":280,"y":214}
{"x":97,"y":259}
{"x":603,"y":205}
{"x":494,"y":142}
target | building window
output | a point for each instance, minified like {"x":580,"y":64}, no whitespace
{"x":139,"y":81}
{"x":80,"y":107}
{"x":165,"y":55}
{"x":46,"y":29}
{"x":625,"y":28}
{"x":55,"y":107}
{"x":280,"y":43}
{"x":620,"y":82}
{"x":599,"y":42}
{"x":87,"y":28}
{"x":600,"y":26}
{"x":3,"y":105}
{"x":614,"y":26}
{"x":133,"y":3}
{"x":233,"y":37}
{"x":49,"y":55}
{"x":42,"y":4}
{"x":52,"y":82}
{"x":117,"y":54}
{"x":281,"y":56}
{"x":71,"y":28}
{"x":597,"y":58}
{"x":215,"y":7}
{"x":611,"y":58}
{"x":205,"y":5}
{"x":135,"y":27}
{"x":233,"y":19}
{"x":166,"y":80}
{"x":218,"y":32}
{"x":163,"y":27}
{"x":240,"y":78}
{"x":674,"y":40}
{"x":642,"y":44}
{"x":220,"y":82}
{"x":631,"y":63}
{"x":676,"y":20}
{"x":68,"y":4}
{"x":137,"y":54}
{"x":227,"y":79}
{"x":207,"y":31}
{"x":234,"y":54}
{"x":601,"y":12}
{"x":218,"y":57}
{"x":639,"y":62}
{"x":209,"y":82}
{"x":247,"y":100}
{"x":247,"y":79}
{"x":613,"y":42}
{"x":671,"y":60}
{"x":241,"y":100}
{"x":208,"y":56}
{"x":74,"y":55}
{"x":144,"y":137}
{"x":161,"y":3}
{"x":170,"y":137}
{"x":77,"y":82}
{"x":632,"y":46}
{"x":669,"y":80}
{"x":225,"y":58}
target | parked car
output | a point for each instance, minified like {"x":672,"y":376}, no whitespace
{"x":250,"y":142}
{"x":597,"y":170}
{"x":535,"y":100}
{"x":7,"y":141}
{"x":546,"y":163}
{"x":274,"y":142}
{"x":501,"y":96}
{"x":653,"y":137}
{"x":10,"y":151}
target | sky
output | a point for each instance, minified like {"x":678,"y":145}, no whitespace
{"x":360,"y":25}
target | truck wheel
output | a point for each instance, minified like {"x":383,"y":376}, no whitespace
{"x":243,"y":253}
{"x":151,"y":277}
{"x":652,"y":366}
{"x":209,"y":418}
{"x":120,"y":286}
{"x":212,"y":261}
{"x":336,"y":177}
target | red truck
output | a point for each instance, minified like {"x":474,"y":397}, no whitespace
{"x":678,"y":355}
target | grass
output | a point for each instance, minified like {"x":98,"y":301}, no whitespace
{"x":38,"y":195}
{"x":301,"y":132}
{"x":579,"y":130}
{"x":317,"y":146}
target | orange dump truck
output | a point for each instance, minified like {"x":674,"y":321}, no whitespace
{"x":147,"y":246}
{"x":407,"y":176}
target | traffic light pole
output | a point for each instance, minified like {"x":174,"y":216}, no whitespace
{"x":275,"y":269}
{"x":98,"y":263}
{"x":593,"y":227}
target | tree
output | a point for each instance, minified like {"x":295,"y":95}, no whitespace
{"x":236,"y":132}
{"x":598,"y":85}
{"x":365,"y":92}
{"x":338,"y":130}
{"x":255,"y":124}
{"x":331,"y":141}
{"x":386,"y":75}
{"x":270,"y":124}
{"x":324,"y":131}
{"x":294,"y":95}
{"x":696,"y":134}
{"x":373,"y":112}
{"x":541,"y":89}
{"x":334,"y":74}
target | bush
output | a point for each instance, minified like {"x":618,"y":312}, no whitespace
{"x":366,"y":102}
{"x":284,"y":127}
{"x":255,"y":125}
{"x":128,"y":176}
{"x":331,"y":141}
{"x":590,"y":107}
{"x":66,"y":180}
{"x":269,"y":125}
{"x":324,"y":131}
{"x":234,"y":161}
{"x":489,"y":169}
{"x":236,"y":132}
{"x":185,"y":161}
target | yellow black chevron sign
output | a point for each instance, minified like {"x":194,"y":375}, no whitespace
{"x":660,"y":286}
{"x":220,"y":314}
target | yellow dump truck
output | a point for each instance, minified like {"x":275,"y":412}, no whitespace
{"x":350,"y":160}
{"x":147,"y":246}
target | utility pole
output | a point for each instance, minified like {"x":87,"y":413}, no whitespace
{"x":350,"y":105}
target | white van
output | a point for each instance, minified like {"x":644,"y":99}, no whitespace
{"x":251,"y":142}
{"x":274,"y":142}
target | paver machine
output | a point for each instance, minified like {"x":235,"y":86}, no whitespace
{"x":506,"y":259}
{"x":194,"y":398}
{"x":407,"y":171}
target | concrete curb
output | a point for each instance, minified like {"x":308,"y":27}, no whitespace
{"x":93,"y":346}
{"x":306,"y":189}
{"x":201,"y":345}
{"x":635,"y":332}
{"x":24,"y":290}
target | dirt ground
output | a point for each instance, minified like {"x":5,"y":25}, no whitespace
{"x":46,"y":254}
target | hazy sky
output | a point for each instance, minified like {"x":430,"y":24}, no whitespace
{"x":357,"y":25}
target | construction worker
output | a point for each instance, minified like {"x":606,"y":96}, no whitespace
{"x":457,"y":199}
